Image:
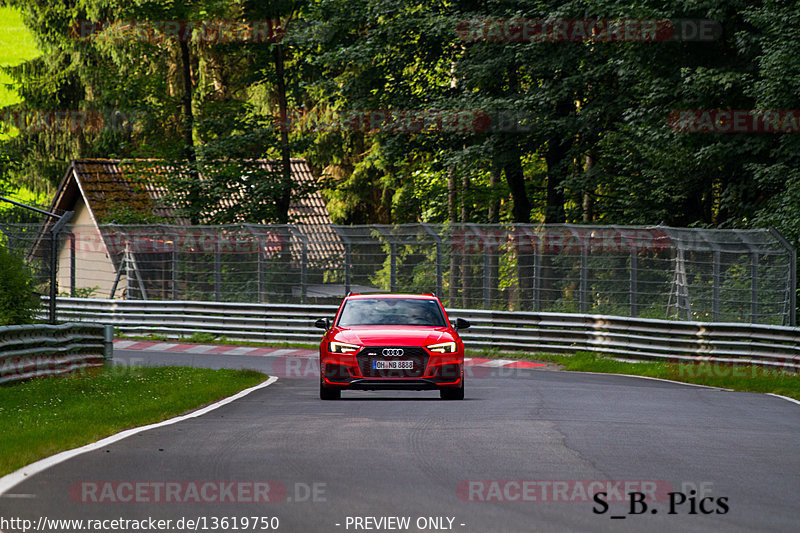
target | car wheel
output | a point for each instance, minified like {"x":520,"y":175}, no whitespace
{"x":452,"y":394}
{"x":329,"y":394}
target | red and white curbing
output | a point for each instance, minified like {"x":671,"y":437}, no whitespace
{"x":213,"y":349}
{"x":282,"y":352}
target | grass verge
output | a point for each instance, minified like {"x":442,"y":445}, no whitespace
{"x":748,"y":378}
{"x":41,"y":417}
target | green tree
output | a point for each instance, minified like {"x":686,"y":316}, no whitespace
{"x":18,"y":299}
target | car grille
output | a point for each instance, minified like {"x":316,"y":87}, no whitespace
{"x":413,"y":353}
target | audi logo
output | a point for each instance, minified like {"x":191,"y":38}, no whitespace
{"x":392,"y":352}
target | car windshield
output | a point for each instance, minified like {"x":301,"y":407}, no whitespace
{"x":392,"y":312}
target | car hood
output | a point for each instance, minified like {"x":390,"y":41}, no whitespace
{"x":392,"y":335}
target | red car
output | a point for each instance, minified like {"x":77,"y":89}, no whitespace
{"x":391,"y":341}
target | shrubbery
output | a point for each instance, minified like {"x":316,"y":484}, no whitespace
{"x":18,"y":298}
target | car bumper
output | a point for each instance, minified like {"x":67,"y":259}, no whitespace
{"x":441,"y":371}
{"x":405,"y":384}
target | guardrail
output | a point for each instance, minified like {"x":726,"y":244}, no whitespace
{"x":634,"y":338}
{"x":41,"y":350}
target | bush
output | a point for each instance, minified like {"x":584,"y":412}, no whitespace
{"x":18,"y":299}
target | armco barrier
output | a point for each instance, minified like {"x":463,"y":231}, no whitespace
{"x":634,"y":338}
{"x":41,"y":349}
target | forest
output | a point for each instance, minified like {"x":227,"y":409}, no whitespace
{"x":647,"y":112}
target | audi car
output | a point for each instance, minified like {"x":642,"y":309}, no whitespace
{"x":391,"y":341}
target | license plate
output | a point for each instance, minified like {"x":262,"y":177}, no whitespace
{"x":393,"y":365}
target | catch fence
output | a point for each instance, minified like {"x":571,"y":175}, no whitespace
{"x":636,"y":271}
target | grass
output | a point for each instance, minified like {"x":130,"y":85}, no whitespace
{"x":748,"y":378}
{"x":16,"y":45}
{"x":41,"y":417}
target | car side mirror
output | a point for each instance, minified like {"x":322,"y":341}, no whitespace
{"x":322,"y":323}
{"x":462,"y":324}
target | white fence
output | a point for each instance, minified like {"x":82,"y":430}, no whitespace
{"x":634,"y":338}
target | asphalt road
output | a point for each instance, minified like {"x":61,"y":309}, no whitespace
{"x":520,"y":436}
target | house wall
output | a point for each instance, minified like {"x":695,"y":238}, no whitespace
{"x":93,"y":267}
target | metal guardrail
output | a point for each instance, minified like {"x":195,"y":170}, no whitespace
{"x":634,"y":338}
{"x":42,"y":350}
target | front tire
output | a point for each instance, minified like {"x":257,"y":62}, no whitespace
{"x":329,"y":394}
{"x":452,"y":394}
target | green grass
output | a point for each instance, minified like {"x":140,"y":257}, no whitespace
{"x":16,"y":45}
{"x":41,"y":417}
{"x":747,"y":378}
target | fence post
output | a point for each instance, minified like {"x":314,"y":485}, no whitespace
{"x":71,"y":263}
{"x":584,"y":273}
{"x":754,"y":288}
{"x":537,"y":276}
{"x":303,"y":269}
{"x":260,"y":267}
{"x":108,"y":343}
{"x":792,"y":278}
{"x":127,"y":270}
{"x":634,"y":273}
{"x":175,"y":267}
{"x":715,"y":287}
{"x":393,"y":267}
{"x":217,"y":272}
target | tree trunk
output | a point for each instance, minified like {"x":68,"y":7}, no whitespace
{"x":512,"y":165}
{"x":286,"y":172}
{"x":494,"y":202}
{"x":195,"y":190}
{"x":588,"y":199}
{"x":556,"y":157}
{"x":452,"y":196}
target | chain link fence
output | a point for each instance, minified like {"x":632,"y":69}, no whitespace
{"x":650,"y":272}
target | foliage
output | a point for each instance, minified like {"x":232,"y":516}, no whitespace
{"x":579,"y":130}
{"x":82,"y":292}
{"x":18,"y":299}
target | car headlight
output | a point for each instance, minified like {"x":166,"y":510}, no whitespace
{"x":444,"y":347}
{"x":340,"y":347}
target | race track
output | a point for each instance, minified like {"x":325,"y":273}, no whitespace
{"x":530,"y":441}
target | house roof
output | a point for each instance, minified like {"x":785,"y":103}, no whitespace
{"x":108,"y":182}
{"x":105,"y":184}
